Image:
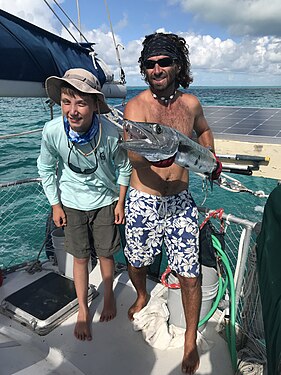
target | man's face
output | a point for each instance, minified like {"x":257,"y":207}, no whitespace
{"x":160,"y":72}
{"x":78,"y":110}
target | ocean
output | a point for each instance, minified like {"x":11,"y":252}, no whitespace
{"x":18,"y":154}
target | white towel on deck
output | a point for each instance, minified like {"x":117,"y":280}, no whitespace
{"x":152,"y":320}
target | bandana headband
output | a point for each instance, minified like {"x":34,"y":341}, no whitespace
{"x":161,"y":45}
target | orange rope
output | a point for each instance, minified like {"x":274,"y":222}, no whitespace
{"x":215,"y":214}
{"x":164,"y":280}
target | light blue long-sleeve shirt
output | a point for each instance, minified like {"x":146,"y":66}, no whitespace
{"x":76,"y":190}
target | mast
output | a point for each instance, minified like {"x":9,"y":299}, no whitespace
{"x":79,"y":20}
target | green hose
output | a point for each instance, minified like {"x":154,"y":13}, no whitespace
{"x":219,"y":296}
{"x":232,"y":332}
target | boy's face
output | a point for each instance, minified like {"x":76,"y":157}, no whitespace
{"x":78,"y":110}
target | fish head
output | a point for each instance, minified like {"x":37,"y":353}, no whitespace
{"x":153,"y":141}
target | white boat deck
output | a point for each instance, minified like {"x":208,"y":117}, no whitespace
{"x":115,"y":349}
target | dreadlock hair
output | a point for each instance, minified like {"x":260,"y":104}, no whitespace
{"x":171,"y":45}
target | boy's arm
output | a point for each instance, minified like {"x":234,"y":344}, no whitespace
{"x":119,"y":209}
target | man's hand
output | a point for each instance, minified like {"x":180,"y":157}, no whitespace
{"x":216,"y":173}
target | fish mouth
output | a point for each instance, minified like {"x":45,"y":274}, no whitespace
{"x":153,"y":141}
{"x":140,"y":132}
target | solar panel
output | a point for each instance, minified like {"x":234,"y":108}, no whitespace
{"x":244,"y":123}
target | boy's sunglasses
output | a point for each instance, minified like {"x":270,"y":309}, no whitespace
{"x":164,"y":63}
{"x":76,"y":169}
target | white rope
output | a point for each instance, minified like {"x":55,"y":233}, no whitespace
{"x":249,"y":363}
{"x":20,"y":134}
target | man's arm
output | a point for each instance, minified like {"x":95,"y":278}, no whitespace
{"x":205,"y":137}
{"x":204,"y":133}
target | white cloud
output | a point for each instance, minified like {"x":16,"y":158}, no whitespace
{"x":247,"y":56}
{"x":122,"y":23}
{"x":259,"y":58}
{"x":240,"y":17}
{"x":33,"y":11}
{"x":213,"y":60}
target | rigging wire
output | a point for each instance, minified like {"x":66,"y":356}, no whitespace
{"x":70,"y":20}
{"x":122,"y":74}
{"x":46,"y":2}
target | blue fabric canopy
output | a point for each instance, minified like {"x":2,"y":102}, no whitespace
{"x":29,"y":53}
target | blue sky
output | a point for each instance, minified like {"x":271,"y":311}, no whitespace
{"x":231,"y":42}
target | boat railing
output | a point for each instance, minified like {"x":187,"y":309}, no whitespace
{"x":240,"y":248}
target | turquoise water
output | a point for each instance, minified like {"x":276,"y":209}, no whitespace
{"x":18,"y":154}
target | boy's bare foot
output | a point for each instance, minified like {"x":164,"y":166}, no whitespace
{"x":190,"y":361}
{"x":137,"y":306}
{"x":109,"y":309}
{"x":82,"y":330}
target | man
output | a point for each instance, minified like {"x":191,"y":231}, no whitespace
{"x":159,"y":207}
{"x":81,"y":166}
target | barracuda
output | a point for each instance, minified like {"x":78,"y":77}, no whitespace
{"x":158,"y":142}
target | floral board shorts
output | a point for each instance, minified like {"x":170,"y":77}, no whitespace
{"x":152,"y":221}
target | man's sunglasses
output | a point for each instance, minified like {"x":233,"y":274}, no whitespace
{"x":76,"y":169}
{"x":164,"y":63}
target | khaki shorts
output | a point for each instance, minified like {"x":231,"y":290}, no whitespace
{"x":88,"y":229}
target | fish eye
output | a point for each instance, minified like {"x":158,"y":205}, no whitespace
{"x":157,"y":128}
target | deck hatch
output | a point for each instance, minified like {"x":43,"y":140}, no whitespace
{"x":45,"y":303}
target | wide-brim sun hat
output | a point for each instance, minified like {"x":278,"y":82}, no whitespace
{"x":81,"y":80}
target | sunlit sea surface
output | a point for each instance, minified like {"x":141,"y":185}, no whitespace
{"x":18,"y":154}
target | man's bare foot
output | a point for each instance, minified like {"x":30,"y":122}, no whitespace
{"x":190,"y":361}
{"x":82,"y":330}
{"x":137,"y":306}
{"x":109,"y":309}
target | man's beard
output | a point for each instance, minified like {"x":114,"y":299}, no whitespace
{"x":153,"y":84}
{"x":168,"y":86}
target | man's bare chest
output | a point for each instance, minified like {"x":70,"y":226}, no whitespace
{"x":174,"y":116}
